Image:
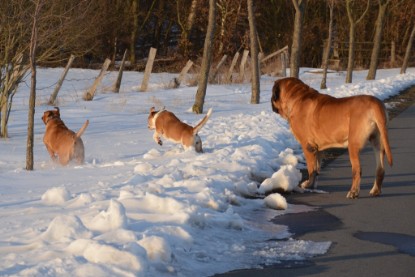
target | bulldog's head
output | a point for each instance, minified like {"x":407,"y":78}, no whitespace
{"x":48,"y":115}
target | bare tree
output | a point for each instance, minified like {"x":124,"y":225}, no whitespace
{"x":377,"y":40}
{"x":53,"y":24}
{"x":323,"y":84}
{"x":352,"y":33}
{"x":206,"y":61}
{"x":299,"y":6}
{"x":408,"y":51}
{"x":134,"y":29}
{"x":255,"y":94}
{"x":31,"y":114}
{"x":186,"y":25}
{"x":13,"y":55}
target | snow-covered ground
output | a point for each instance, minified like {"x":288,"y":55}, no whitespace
{"x":139,"y":209}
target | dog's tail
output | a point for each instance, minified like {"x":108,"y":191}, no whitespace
{"x":381,"y":121}
{"x":199,"y":126}
{"x":82,"y":130}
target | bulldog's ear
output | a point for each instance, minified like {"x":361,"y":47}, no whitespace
{"x":275,"y":97}
{"x":57,"y":111}
{"x":275,"y":92}
{"x":152,"y":109}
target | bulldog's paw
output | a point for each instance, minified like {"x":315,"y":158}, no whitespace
{"x":160,"y":142}
{"x":352,"y":194}
{"x":375,"y":192}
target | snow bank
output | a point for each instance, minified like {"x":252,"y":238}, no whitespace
{"x":139,"y":209}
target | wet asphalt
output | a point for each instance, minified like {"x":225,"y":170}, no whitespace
{"x":370,"y":236}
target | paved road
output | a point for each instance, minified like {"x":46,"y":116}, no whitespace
{"x":370,"y":236}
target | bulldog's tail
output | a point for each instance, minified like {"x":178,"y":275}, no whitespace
{"x":199,"y":126}
{"x":82,"y":130}
{"x":381,"y":121}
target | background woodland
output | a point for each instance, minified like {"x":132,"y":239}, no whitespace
{"x":96,"y":30}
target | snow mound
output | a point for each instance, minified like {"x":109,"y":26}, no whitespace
{"x":276,"y":201}
{"x":107,"y":255}
{"x":285,"y":179}
{"x":113,"y":218}
{"x":56,"y":196}
{"x":65,"y":228}
{"x":157,"y":248}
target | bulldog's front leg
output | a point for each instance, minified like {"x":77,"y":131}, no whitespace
{"x":311,"y":155}
{"x":157,"y":139}
{"x":52,"y":154}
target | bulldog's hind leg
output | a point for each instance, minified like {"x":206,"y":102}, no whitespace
{"x":380,"y":170}
{"x":354,"y":151}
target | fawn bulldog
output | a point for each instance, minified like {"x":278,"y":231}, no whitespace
{"x":165,"y":123}
{"x":62,"y":144}
{"x":320,"y":121}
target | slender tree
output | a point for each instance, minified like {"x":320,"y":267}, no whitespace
{"x":323,"y":84}
{"x":352,"y":33}
{"x":408,"y":51}
{"x":186,"y":25}
{"x":60,"y":31}
{"x":32,"y":98}
{"x":255,"y":95}
{"x":206,"y":61}
{"x":299,"y":6}
{"x":134,"y":29}
{"x":377,"y":40}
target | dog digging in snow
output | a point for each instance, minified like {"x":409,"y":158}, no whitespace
{"x":165,"y":123}
{"x":62,"y":144}
{"x":320,"y":121}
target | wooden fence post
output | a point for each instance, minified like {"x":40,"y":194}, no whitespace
{"x":234,"y":61}
{"x":117,"y":84}
{"x":216,"y":71}
{"x":242,"y":66}
{"x":90,"y":93}
{"x":284,"y":62}
{"x":175,"y":83}
{"x":53,"y":96}
{"x":149,"y":67}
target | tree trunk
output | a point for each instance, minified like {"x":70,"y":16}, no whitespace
{"x":3,"y":112}
{"x":206,"y":61}
{"x":352,"y":31}
{"x":408,"y":51}
{"x":323,"y":84}
{"x":350,"y":60}
{"x":32,"y":98}
{"x":133,"y":36}
{"x":186,"y":28}
{"x":255,"y":94}
{"x":377,"y":40}
{"x":299,"y":6}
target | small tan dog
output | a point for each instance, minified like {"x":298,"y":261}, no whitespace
{"x":320,"y":121}
{"x":165,"y":123}
{"x":62,"y":144}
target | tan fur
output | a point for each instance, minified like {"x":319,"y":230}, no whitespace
{"x":165,"y":123}
{"x":319,"y":121}
{"x":62,"y":144}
